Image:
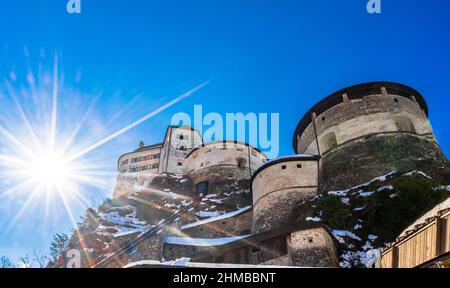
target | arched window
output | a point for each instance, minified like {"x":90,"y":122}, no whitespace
{"x":202,"y":189}
{"x":404,"y":124}
{"x":241,"y":162}
{"x":329,"y":141}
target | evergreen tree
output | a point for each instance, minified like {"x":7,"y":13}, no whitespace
{"x":59,"y":245}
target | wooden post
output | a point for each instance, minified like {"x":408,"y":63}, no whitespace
{"x":394,"y":256}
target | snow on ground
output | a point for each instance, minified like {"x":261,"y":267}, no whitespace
{"x":415,"y":172}
{"x":202,"y":242}
{"x":112,"y":222}
{"x":213,"y":219}
{"x":313,"y":219}
{"x":340,"y":234}
{"x":208,"y":214}
{"x":380,"y":178}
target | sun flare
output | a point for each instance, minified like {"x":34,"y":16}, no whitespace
{"x":50,"y":170}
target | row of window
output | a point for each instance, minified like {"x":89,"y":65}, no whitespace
{"x":145,"y":158}
{"x":144,"y":168}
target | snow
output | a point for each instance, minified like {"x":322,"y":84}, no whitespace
{"x":202,"y":242}
{"x":417,"y":172}
{"x":313,"y":219}
{"x":366,"y":194}
{"x":344,"y":192}
{"x":359,"y":209}
{"x":213,"y":219}
{"x":388,"y":187}
{"x":372,"y":237}
{"x":208,"y":214}
{"x":357,"y":226}
{"x":177,"y":262}
{"x":121,"y":225}
{"x":346,"y":201}
{"x":125,"y":233}
{"x":338,"y":234}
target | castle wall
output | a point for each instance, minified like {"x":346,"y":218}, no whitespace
{"x":178,"y":143}
{"x":224,"y":154}
{"x":233,"y":226}
{"x":149,"y":249}
{"x":280,"y":189}
{"x":353,"y":119}
{"x":312,"y":248}
{"x":146,"y":161}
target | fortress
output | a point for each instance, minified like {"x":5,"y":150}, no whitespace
{"x":348,"y":138}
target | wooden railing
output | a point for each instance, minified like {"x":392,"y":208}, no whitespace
{"x":426,"y":242}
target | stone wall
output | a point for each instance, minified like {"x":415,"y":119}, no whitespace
{"x":233,"y":226}
{"x":224,"y":154}
{"x":370,"y":115}
{"x":178,"y":143}
{"x":279,"y":190}
{"x":312,"y":248}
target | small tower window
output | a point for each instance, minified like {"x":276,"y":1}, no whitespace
{"x":181,"y":137}
{"x":299,"y":166}
{"x":329,"y":141}
{"x":404,"y":124}
{"x":241,"y":162}
{"x":202,"y":188}
{"x":283,"y":167}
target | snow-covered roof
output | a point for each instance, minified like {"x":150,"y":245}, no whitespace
{"x":221,"y":217}
{"x":201,"y":242}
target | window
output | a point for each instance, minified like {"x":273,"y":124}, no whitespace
{"x":283,"y":167}
{"x":181,"y":137}
{"x":329,"y":141}
{"x":182,"y":148}
{"x":299,"y":166}
{"x":241,"y":162}
{"x":180,"y":164}
{"x":404,"y":124}
{"x":202,"y":188}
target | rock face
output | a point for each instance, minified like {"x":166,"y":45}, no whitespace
{"x":371,"y":214}
{"x":364,"y":159}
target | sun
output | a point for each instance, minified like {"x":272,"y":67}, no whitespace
{"x":51,"y":170}
{"x":47,"y":148}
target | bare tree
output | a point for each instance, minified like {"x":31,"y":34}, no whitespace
{"x":40,"y":258}
{"x":26,"y":261}
{"x":5,"y":262}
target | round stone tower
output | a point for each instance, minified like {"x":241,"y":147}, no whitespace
{"x":367,"y":130}
{"x":279,"y":189}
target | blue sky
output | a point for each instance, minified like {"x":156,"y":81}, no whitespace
{"x":265,"y":56}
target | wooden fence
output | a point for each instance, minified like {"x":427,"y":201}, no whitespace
{"x":428,"y":241}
